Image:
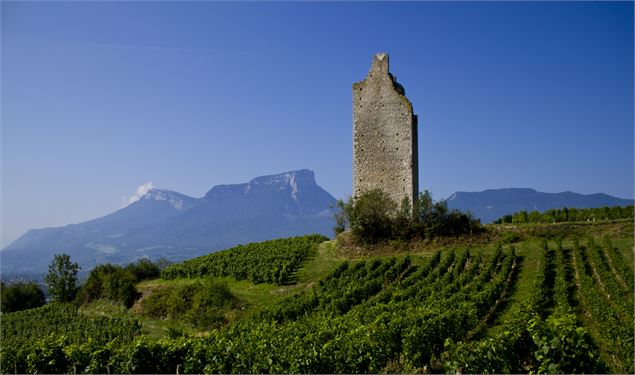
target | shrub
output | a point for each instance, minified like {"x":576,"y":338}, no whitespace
{"x":144,"y":269}
{"x":510,"y":237}
{"x":20,"y":296}
{"x":373,"y":217}
{"x":202,"y":305}
{"x":117,"y":283}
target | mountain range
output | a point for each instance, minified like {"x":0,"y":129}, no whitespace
{"x":489,"y":205}
{"x":174,"y":226}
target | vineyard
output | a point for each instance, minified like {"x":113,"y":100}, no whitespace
{"x":264,"y":262}
{"x":536,"y":306}
{"x":579,"y":318}
{"x":50,"y":338}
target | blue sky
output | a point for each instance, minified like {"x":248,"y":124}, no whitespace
{"x":99,"y":98}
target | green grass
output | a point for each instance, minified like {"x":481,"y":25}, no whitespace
{"x":256,"y":297}
{"x":321,"y":264}
{"x":529,"y":254}
{"x":625,"y":245}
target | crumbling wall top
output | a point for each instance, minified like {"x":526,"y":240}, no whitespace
{"x":380,"y":65}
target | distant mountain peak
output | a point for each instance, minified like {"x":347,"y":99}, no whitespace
{"x":176,"y":200}
{"x":303,"y":176}
{"x":295,"y":182}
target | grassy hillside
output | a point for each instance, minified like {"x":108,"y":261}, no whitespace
{"x":518,"y":298}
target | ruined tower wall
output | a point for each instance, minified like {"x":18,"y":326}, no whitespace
{"x":384,"y":135}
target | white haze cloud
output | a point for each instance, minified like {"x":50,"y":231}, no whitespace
{"x":141,"y":191}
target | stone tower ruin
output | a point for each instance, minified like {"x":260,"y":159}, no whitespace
{"x":384,"y":135}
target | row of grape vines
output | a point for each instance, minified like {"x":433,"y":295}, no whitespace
{"x":366,"y":316}
{"x":607,"y":304}
{"x":30,"y":337}
{"x":579,"y":319}
{"x":265,"y":262}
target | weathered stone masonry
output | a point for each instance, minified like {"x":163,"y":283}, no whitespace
{"x":384,"y":135}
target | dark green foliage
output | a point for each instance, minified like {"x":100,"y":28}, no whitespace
{"x":544,"y":282}
{"x":557,"y":341}
{"x":56,"y":338}
{"x":608,"y":304}
{"x":564,"y":289}
{"x":61,"y":279}
{"x":20,"y":296}
{"x":203,"y":305}
{"x":435,"y":219}
{"x":110,"y":282}
{"x":373,"y":217}
{"x":510,"y":237}
{"x":273,"y":261}
{"x":117,"y":283}
{"x":362,"y":317}
{"x":562,"y":346}
{"x":568,"y":214}
{"x":144,"y":269}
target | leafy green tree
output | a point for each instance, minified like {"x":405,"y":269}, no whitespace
{"x":403,"y":223}
{"x":569,"y":215}
{"x":519,"y":217}
{"x":343,"y":214}
{"x":61,"y":279}
{"x":374,"y":217}
{"x":114,"y":283}
{"x":425,"y":206}
{"x":533,"y":216}
{"x":21,"y":296}
{"x":373,"y":213}
{"x":144,"y":269}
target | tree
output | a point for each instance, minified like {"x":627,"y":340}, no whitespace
{"x":21,"y":296}
{"x":144,"y":269}
{"x":61,"y":279}
{"x":425,"y":207}
{"x":372,"y":216}
{"x":534,"y":217}
{"x":403,"y":223}
{"x":343,"y":215}
{"x":112,"y":282}
{"x":519,"y":217}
